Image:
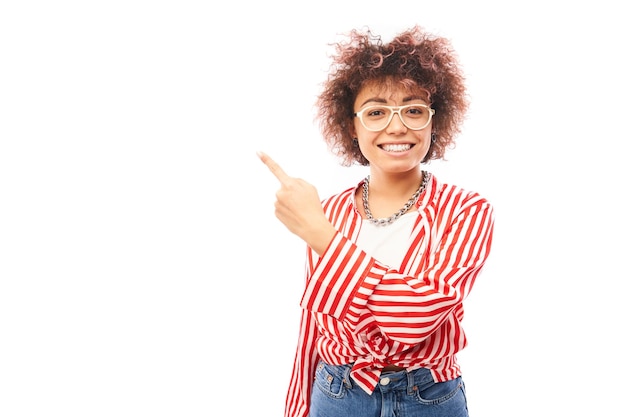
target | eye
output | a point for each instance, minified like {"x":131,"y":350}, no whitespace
{"x":415,"y":111}
{"x":375,"y":112}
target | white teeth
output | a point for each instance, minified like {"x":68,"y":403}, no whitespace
{"x":396,"y":147}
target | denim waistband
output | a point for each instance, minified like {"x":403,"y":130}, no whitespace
{"x":391,"y":380}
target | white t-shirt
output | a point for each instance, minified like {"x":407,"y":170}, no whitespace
{"x":387,"y":244}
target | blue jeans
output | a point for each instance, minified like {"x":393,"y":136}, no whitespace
{"x":398,"y":394}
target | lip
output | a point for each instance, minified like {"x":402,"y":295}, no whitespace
{"x":392,"y":152}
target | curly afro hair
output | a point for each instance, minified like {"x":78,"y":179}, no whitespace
{"x":413,"y":58}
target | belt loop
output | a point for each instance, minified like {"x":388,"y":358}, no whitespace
{"x":410,"y":382}
{"x":346,"y":377}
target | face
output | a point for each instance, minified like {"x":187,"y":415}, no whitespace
{"x":396,"y":149}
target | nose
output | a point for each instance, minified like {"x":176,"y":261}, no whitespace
{"x":396,"y":124}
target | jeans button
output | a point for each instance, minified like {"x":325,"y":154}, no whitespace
{"x":384,"y":381}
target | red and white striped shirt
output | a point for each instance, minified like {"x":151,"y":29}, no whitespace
{"x":360,"y":311}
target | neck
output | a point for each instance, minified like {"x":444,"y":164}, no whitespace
{"x":398,"y":185}
{"x":381,"y":211}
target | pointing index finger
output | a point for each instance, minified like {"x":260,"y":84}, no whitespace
{"x":274,"y":167}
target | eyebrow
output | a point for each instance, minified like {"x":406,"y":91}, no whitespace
{"x":383,"y":101}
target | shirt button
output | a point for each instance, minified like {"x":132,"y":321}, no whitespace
{"x":384,"y":381}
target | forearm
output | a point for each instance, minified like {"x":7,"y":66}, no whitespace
{"x":319,"y":237}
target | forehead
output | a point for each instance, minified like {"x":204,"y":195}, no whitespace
{"x":391,"y":90}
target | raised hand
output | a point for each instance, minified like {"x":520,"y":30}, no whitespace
{"x":298,"y":207}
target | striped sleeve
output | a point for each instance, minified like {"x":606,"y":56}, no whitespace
{"x":348,"y":284}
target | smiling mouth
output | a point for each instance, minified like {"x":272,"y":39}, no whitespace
{"x":395,"y":147}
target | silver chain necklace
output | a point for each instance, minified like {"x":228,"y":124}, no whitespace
{"x":396,"y":216}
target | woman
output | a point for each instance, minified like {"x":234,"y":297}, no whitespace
{"x":391,"y":260}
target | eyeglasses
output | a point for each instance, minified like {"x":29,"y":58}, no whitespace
{"x":413,"y":116}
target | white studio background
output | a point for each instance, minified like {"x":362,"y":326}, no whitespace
{"x":142,"y":271}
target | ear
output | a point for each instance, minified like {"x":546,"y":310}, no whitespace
{"x":352,"y":129}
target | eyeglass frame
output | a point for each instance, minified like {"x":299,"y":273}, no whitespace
{"x":395,"y":110}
